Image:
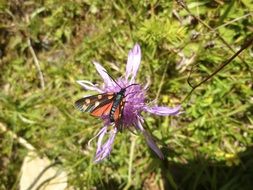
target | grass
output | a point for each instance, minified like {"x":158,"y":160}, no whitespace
{"x":209,"y":146}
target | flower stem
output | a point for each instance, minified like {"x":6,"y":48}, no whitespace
{"x":130,"y":163}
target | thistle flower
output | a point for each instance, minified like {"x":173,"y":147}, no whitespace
{"x":134,"y":96}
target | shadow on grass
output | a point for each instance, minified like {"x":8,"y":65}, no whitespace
{"x":205,"y":174}
{"x":200,"y":174}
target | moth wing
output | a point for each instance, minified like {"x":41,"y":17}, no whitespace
{"x":103,"y":109}
{"x":92,"y":103}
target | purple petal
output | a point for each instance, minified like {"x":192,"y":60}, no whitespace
{"x":88,"y":85}
{"x":101,"y":135}
{"x":103,"y":73}
{"x":151,"y":143}
{"x":103,"y":150}
{"x":103,"y":130}
{"x":133,"y":62}
{"x":163,"y":111}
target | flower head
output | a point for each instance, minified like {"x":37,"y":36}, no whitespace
{"x":134,"y":97}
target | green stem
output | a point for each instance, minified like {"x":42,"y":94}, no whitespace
{"x":130,"y":163}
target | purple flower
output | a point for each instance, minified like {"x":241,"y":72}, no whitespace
{"x":134,"y":105}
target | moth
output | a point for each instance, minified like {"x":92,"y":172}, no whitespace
{"x":106,"y":104}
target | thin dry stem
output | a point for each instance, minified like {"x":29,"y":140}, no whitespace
{"x":162,"y":82}
{"x":184,"y":5}
{"x":36,"y":62}
{"x":35,"y":59}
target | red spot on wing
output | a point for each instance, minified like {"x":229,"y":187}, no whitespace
{"x":103,"y":110}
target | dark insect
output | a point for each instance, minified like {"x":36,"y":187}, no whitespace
{"x":106,"y":104}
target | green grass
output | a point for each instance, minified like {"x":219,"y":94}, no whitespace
{"x":209,"y":146}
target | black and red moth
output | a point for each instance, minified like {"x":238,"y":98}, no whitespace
{"x":105,"y":104}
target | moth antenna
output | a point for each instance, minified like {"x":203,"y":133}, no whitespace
{"x":132,"y":92}
{"x":131,"y":85}
{"x":113,"y":79}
